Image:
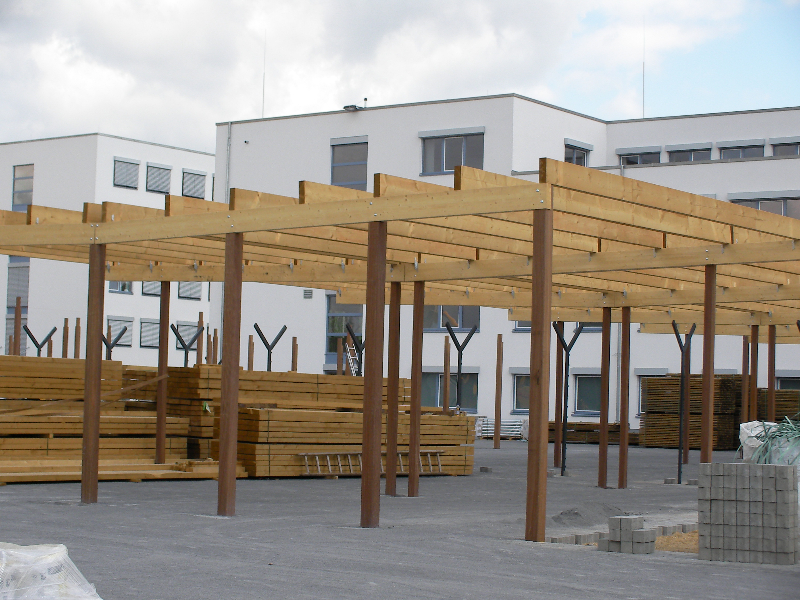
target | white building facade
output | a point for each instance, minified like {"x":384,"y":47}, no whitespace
{"x":66,"y":172}
{"x":749,"y":157}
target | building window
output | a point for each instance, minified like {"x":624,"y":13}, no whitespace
{"x":126,"y":173}
{"x":148,"y":333}
{"x":120,"y":287}
{"x":443,"y":154}
{"x":459,"y":317}
{"x":522,"y":325}
{"x":785,"y":149}
{"x":789,"y":383}
{"x":433,"y":390}
{"x":194,"y":184}
{"x":587,"y":394}
{"x":522,"y":393}
{"x":18,"y":285}
{"x":116,"y":324}
{"x":151,"y":288}
{"x":788,"y":207}
{"x":576,"y":156}
{"x":190,"y":290}
{"x":643,"y":380}
{"x":742,"y":152}
{"x":591,"y":326}
{"x":22,"y":194}
{"x":158,"y":179}
{"x":349,"y":166}
{"x":645,"y":158}
{"x":339,"y":315}
{"x":690,"y":155}
{"x":187,"y":329}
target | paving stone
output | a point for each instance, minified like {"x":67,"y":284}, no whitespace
{"x":614,"y":546}
{"x":602,"y":545}
{"x":626,"y":547}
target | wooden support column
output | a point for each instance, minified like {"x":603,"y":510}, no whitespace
{"x":251,"y":348}
{"x":687,"y":372}
{"x":373,"y":375}
{"x":744,"y":413}
{"x":339,"y":362}
{"x":215,"y":344}
{"x":229,"y":384}
{"x":541,"y":284}
{"x":163,"y":368}
{"x":294,"y":354}
{"x":498,"y":391}
{"x":624,"y":393}
{"x":65,"y":340}
{"x":50,"y":348}
{"x":416,"y":389}
{"x":208,"y":348}
{"x":752,"y":408}
{"x":93,"y":374}
{"x":201,"y":327}
{"x":392,"y":388}
{"x":605,"y":368}
{"x":559,"y":395}
{"x":709,"y":327}
{"x":771,"y":335}
{"x":18,"y":327}
{"x":446,"y":376}
{"x":77,"y":351}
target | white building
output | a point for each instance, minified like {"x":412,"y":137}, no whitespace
{"x":749,"y":156}
{"x":66,"y":172}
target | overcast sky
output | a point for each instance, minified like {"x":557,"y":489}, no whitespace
{"x":168,"y":70}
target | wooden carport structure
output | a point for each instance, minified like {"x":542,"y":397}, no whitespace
{"x":579,"y":240}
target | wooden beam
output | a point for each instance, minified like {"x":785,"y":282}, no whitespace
{"x":183,"y":205}
{"x":605,"y":368}
{"x":229,"y":385}
{"x":707,"y":417}
{"x":392,"y":388}
{"x":373,"y":377}
{"x":771,"y":374}
{"x":624,"y":391}
{"x":17,"y":326}
{"x":744,"y":413}
{"x":114,"y":211}
{"x":498,"y":391}
{"x":753,"y":402}
{"x":559,"y":415}
{"x":163,"y":371}
{"x":93,"y":376}
{"x":416,"y":389}
{"x":784,"y":332}
{"x":536,"y":497}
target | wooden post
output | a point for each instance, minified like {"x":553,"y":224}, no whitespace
{"x":209,"y":348}
{"x":215,"y":342}
{"x":392,"y":388}
{"x":624,"y":392}
{"x":65,"y":340}
{"x":416,"y":389}
{"x":687,"y":357}
{"x":744,"y":412}
{"x":559,"y":415}
{"x":251,"y":348}
{"x":201,"y":327}
{"x":93,"y":374}
{"x":771,"y":335}
{"x":339,"y":362}
{"x":10,"y":347}
{"x":294,"y":353}
{"x":605,"y":368}
{"x":108,"y":339}
{"x":446,"y":376}
{"x":541,"y":291}
{"x":50,"y":348}
{"x":229,"y":384}
{"x":498,"y":391}
{"x":18,"y":327}
{"x":709,"y":327}
{"x":77,"y":350}
{"x":752,"y":409}
{"x":163,"y":369}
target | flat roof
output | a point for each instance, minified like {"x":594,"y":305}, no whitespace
{"x":116,"y":137}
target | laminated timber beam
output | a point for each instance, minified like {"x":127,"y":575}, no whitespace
{"x":785,"y":334}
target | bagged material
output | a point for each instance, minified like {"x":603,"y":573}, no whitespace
{"x":764,"y":442}
{"x":41,"y":572}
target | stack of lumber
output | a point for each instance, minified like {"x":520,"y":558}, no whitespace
{"x":272,"y":441}
{"x":589,"y":433}
{"x":660,"y":424}
{"x":23,"y":377}
{"x":787,"y":404}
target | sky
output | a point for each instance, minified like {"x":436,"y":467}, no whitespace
{"x":168,"y":70}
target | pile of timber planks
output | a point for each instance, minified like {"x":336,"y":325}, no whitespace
{"x":589,"y":433}
{"x":273,"y":440}
{"x":787,"y":404}
{"x":660,"y":424}
{"x":42,"y":378}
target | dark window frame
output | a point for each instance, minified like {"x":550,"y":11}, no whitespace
{"x":577,"y":377}
{"x":742,"y":150}
{"x":353,"y":185}
{"x":453,"y":391}
{"x":116,"y":181}
{"x":795,"y":146}
{"x":515,"y":409}
{"x":572,"y":154}
{"x":694,"y":155}
{"x":642,"y":158}
{"x":441,"y":142}
{"x":461,"y":327}
{"x":121,"y":287}
{"x":330,"y":355}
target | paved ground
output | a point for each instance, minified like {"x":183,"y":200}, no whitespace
{"x":461,"y":539}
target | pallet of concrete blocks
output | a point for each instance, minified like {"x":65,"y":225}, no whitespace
{"x":748,"y":513}
{"x":627,"y":534}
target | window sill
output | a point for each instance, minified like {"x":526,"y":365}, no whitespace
{"x":126,"y":187}
{"x":586,"y":413}
{"x":521,"y":330}
{"x":185,"y":298}
{"x":520,"y":411}
{"x":436,"y":173}
{"x":157,"y":192}
{"x":119,"y":292}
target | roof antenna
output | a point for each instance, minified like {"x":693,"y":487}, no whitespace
{"x":365,"y":103}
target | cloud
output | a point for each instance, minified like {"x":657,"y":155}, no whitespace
{"x":168,"y":70}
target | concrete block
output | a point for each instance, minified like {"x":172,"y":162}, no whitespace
{"x":784,"y":509}
{"x":786,"y":496}
{"x":602,"y":545}
{"x":566,"y":539}
{"x":644,"y":547}
{"x":704,"y":541}
{"x":769,"y":495}
{"x":614,"y":535}
{"x":742,"y":507}
{"x":742,"y":470}
{"x":742,"y":494}
{"x":743,"y":543}
{"x":716,"y":492}
{"x":768,"y":471}
{"x":704,"y":493}
{"x":729,"y":471}
{"x":729,"y":531}
{"x":729,"y":494}
{"x":703,"y":529}
{"x":670,"y":480}
{"x":784,"y":546}
{"x":632,"y":522}
{"x":729,"y":543}
{"x":788,"y":522}
{"x":716,"y":529}
{"x":769,"y":521}
{"x":769,"y":545}
{"x":602,"y":535}
{"x":756,"y":481}
{"x":704,"y":469}
{"x":614,"y":523}
{"x":743,"y":519}
{"x":784,"y":484}
{"x":704,"y":518}
{"x":581,"y":539}
{"x":755,"y":557}
{"x":769,"y":558}
{"x":692,"y":482}
{"x":689,"y":527}
{"x":717,"y":469}
{"x":785,"y":558}
{"x":769,"y":533}
{"x":614,"y":546}
{"x":729,"y":555}
{"x":756,"y":507}
{"x":641,"y":536}
{"x":756,"y":537}
{"x":717,"y":554}
{"x":705,"y":553}
{"x":756,"y":493}
{"x":742,"y":556}
{"x":626,"y":547}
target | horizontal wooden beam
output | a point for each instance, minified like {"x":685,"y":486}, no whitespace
{"x":785,"y":334}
